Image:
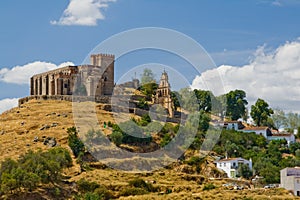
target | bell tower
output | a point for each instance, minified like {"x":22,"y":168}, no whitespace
{"x":163,"y":94}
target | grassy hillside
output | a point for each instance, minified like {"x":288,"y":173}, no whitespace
{"x":25,"y":128}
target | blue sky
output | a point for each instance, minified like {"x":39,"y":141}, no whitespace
{"x":235,"y":33}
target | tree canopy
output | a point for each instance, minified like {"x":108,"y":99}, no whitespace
{"x":260,"y":112}
{"x":147,"y":77}
{"x":236,"y":104}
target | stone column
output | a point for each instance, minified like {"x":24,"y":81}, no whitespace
{"x":38,"y":86}
{"x":44,"y":84}
{"x":59,"y":86}
{"x":35,"y":86}
{"x":55,"y":86}
{"x":31,"y":86}
{"x":51,"y":85}
{"x":47,"y":85}
{"x":41,"y":86}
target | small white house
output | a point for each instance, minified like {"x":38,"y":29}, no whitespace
{"x":289,"y":137}
{"x":290,"y":179}
{"x":233,"y":125}
{"x":230,"y":165}
{"x":261,"y":130}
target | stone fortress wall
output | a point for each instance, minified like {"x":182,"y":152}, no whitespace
{"x":97,"y":78}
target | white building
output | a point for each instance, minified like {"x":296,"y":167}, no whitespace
{"x":230,"y":165}
{"x":233,"y":125}
{"x":289,"y":137}
{"x":290,"y":179}
{"x":261,"y":130}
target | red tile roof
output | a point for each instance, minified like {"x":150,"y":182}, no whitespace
{"x":254,"y":128}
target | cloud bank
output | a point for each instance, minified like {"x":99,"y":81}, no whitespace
{"x":273,"y":76}
{"x":6,"y":104}
{"x":21,"y":74}
{"x":83,"y":13}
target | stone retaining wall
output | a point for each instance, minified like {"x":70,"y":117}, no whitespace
{"x":100,"y":99}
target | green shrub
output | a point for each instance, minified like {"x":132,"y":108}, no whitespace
{"x":140,"y":183}
{"x":32,"y":169}
{"x":195,"y":160}
{"x":133,"y":191}
{"x":74,"y":142}
{"x":109,"y":124}
{"x":92,"y":196}
{"x":209,"y":186}
{"x":103,"y":192}
{"x":116,"y":137}
{"x":86,"y":186}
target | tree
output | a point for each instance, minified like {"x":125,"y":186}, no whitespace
{"x":147,"y":77}
{"x":204,"y":121}
{"x":236,"y":104}
{"x":74,"y":141}
{"x":33,"y":168}
{"x":260,"y":112}
{"x":175,"y":96}
{"x":279,"y":118}
{"x":142,"y":104}
{"x":204,"y":99}
{"x":188,"y":100}
{"x":293,"y":121}
{"x":244,"y":171}
{"x":149,"y":89}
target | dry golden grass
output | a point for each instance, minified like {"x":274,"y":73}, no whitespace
{"x":22,"y":124}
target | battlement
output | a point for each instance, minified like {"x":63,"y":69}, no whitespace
{"x":104,"y":55}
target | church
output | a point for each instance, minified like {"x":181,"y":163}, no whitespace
{"x":96,"y":79}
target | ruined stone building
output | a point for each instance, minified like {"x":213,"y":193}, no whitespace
{"x":163,"y":94}
{"x":96,"y":79}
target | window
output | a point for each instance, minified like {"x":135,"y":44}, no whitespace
{"x":234,"y":164}
{"x":224,"y":164}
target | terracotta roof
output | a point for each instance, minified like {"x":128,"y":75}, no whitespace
{"x":282,"y":134}
{"x":256,"y":128}
{"x":232,"y":122}
{"x":230,"y":159}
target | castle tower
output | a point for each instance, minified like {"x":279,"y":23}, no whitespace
{"x":107,"y":63}
{"x":163,"y":94}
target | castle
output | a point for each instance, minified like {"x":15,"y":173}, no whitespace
{"x":96,"y":79}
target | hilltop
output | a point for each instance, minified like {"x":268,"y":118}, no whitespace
{"x":26,"y":128}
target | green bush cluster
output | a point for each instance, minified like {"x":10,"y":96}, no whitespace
{"x":125,"y":135}
{"x":92,"y":191}
{"x":32,"y":169}
{"x":209,"y":186}
{"x":138,"y":186}
{"x":74,"y":142}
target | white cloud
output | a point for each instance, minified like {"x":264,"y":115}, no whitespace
{"x":6,"y":104}
{"x":83,"y":12}
{"x":281,"y":3}
{"x":21,"y":74}
{"x":274,"y":77}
